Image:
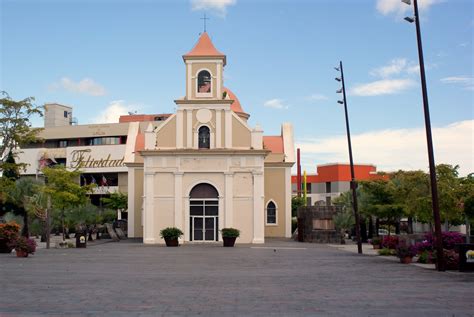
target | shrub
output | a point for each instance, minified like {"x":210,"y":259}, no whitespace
{"x":449,"y":239}
{"x":404,"y":250}
{"x":230,"y":233}
{"x":451,"y":259}
{"x":376,"y":241}
{"x":9,"y":231}
{"x":389,"y":242}
{"x":386,"y":251}
{"x":427,"y":257}
{"x":171,"y":233}
{"x":24,"y":244}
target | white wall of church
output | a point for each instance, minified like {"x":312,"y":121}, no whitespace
{"x":169,"y":180}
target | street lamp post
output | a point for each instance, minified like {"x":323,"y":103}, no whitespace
{"x":429,"y":141}
{"x":353,"y":181}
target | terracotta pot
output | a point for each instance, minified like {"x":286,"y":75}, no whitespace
{"x":21,"y":254}
{"x":171,"y":242}
{"x":229,"y":241}
{"x":4,"y":248}
{"x":406,"y":260}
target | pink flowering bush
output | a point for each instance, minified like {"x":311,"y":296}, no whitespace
{"x":389,"y":242}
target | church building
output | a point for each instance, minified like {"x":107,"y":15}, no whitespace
{"x":205,"y":168}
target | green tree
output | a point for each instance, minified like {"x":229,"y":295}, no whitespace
{"x":343,"y":221}
{"x":117,"y":201}
{"x":296,"y":202}
{"x":20,"y":195}
{"x":15,"y":125}
{"x":412,"y":190}
{"x":65,"y":191}
{"x":449,"y":194}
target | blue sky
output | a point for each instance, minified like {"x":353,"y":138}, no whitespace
{"x":108,"y":57}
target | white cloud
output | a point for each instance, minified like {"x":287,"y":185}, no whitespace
{"x":395,"y":149}
{"x":114,"y":110}
{"x":317,"y":97}
{"x":382,"y":87}
{"x":275,"y":104}
{"x":395,"y":67}
{"x":219,"y":7}
{"x":465,"y":81}
{"x":86,"y":86}
{"x":398,"y":8}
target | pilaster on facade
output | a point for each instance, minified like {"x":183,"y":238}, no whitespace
{"x":288,"y":220}
{"x":179,"y":129}
{"x":149,"y":234}
{"x":189,"y":128}
{"x":228,"y":129}
{"x":178,"y":200}
{"x":258,"y":208}
{"x":131,"y":202}
{"x":229,"y":199}
{"x":218,"y":128}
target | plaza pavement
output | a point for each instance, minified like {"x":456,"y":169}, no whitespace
{"x":279,"y":278}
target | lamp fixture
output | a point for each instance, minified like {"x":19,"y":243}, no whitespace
{"x":337,"y":78}
{"x":407,"y":2}
{"x":341,"y":102}
{"x":339,"y":91}
{"x":337,"y":68}
{"x":410,"y":19}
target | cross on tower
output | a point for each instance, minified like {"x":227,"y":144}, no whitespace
{"x":204,"y":21}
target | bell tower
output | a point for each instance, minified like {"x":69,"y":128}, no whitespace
{"x":204,"y":71}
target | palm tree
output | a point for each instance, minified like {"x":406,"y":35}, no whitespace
{"x":20,"y":194}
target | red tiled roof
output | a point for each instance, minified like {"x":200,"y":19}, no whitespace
{"x":140,"y":142}
{"x":236,"y":107}
{"x":273,"y":143}
{"x":204,"y":47}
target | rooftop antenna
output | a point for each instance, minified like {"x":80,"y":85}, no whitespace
{"x":204,"y":19}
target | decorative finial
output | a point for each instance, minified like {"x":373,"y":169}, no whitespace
{"x":204,"y":18}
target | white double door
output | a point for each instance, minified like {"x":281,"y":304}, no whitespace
{"x":204,"y":222}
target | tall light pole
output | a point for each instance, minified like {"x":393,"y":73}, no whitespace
{"x":353,"y":181}
{"x":429,"y":141}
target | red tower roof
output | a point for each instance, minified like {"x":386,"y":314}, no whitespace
{"x":204,"y":48}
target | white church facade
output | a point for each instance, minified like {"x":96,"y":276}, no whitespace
{"x":204,"y":168}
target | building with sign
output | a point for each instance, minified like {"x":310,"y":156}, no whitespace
{"x":99,"y":151}
{"x":200,"y":169}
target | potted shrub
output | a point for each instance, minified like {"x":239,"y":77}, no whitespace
{"x":229,"y":235}
{"x":23,"y":246}
{"x":405,"y":253}
{"x":171,"y":235}
{"x":9,"y":232}
{"x":376,"y":241}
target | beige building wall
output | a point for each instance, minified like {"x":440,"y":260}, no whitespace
{"x":123,"y":182}
{"x":275,"y":191}
{"x":166,"y":135}
{"x":241,"y":135}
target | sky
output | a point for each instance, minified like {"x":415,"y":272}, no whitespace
{"x":105,"y":58}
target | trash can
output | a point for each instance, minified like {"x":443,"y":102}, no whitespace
{"x":466,"y":257}
{"x":81,"y":240}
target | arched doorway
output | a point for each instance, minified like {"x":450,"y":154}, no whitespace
{"x":204,"y":213}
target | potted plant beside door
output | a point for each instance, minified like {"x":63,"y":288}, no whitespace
{"x":229,"y":235}
{"x":171,"y":235}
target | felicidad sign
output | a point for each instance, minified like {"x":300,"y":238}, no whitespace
{"x":97,"y":159}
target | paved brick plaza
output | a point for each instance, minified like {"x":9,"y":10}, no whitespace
{"x":279,"y":278}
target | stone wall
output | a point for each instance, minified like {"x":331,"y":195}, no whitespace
{"x":315,"y":224}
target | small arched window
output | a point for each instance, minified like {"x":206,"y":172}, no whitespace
{"x":204,"y":82}
{"x":204,"y":137}
{"x":271,"y":213}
